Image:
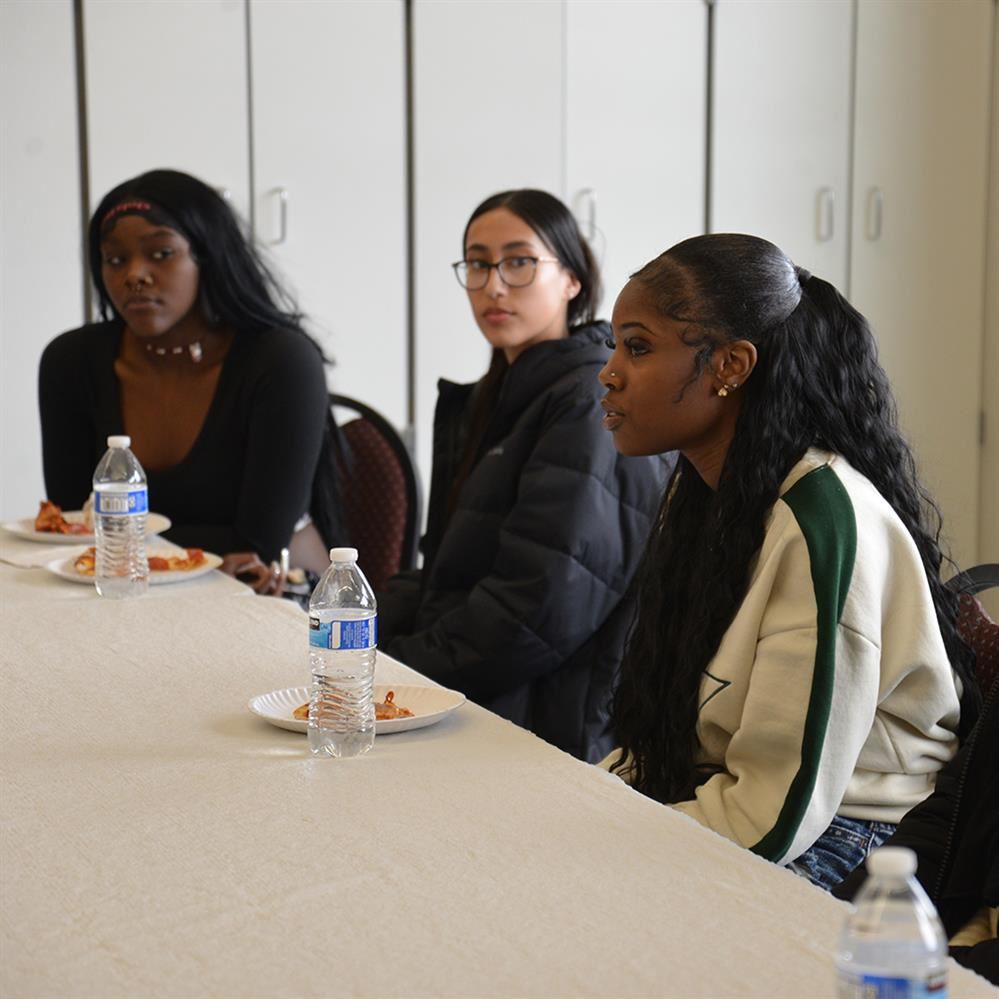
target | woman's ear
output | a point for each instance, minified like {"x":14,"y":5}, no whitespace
{"x":733,"y":363}
{"x":572,"y":286}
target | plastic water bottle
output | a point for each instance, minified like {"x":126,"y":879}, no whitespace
{"x":121,"y":501}
{"x":892,"y":945}
{"x":343,"y":625}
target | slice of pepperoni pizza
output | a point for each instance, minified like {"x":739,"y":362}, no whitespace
{"x":384,"y":710}
{"x":86,"y":563}
{"x":191,"y":559}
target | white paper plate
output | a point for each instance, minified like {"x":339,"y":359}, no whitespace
{"x":428,"y":704}
{"x":63,"y":568}
{"x":156,"y":523}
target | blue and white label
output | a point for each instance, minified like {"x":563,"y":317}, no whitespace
{"x":128,"y":504}
{"x":887,"y":987}
{"x":343,"y":635}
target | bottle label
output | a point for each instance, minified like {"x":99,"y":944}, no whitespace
{"x":343,"y":635}
{"x":860,"y":986}
{"x":128,"y":504}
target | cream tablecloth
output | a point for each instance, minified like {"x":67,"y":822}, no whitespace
{"x":159,"y":840}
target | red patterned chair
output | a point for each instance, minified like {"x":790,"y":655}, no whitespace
{"x":379,"y":492}
{"x":974,"y":623}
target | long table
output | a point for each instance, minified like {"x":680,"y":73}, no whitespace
{"x":158,"y":839}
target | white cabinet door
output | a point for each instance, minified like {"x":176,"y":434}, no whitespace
{"x":167,"y":87}
{"x":329,"y":166}
{"x":922,"y":127}
{"x":635,"y":128}
{"x":988,"y":518}
{"x":781,"y":127}
{"x":41,"y":289}
{"x":488,"y":117}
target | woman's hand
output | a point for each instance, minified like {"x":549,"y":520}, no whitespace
{"x":267,"y":580}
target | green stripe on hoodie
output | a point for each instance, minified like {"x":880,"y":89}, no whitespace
{"x":823,"y":510}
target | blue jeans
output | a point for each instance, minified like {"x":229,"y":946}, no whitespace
{"x":844,"y":846}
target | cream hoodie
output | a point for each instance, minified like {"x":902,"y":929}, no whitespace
{"x":831,"y":692}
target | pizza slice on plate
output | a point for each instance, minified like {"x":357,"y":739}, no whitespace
{"x":51,"y":521}
{"x":384,"y":710}
{"x":177,"y":563}
{"x":86,"y":563}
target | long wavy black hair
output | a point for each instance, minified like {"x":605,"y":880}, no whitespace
{"x":236,"y":289}
{"x":556,"y":227}
{"x":817,"y":383}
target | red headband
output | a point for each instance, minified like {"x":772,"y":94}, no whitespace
{"x":126,"y":206}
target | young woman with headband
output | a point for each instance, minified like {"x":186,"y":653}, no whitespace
{"x":200,"y":360}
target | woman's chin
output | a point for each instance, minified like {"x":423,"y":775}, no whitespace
{"x":633,"y":449}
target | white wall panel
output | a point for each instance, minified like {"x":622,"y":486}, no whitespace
{"x":488,"y":117}
{"x":635,"y":128}
{"x":781,"y":127}
{"x":988,"y":520}
{"x":329,"y":131}
{"x":41,"y":290}
{"x":918,"y":255}
{"x":167,"y":87}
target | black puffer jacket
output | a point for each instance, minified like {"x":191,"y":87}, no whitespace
{"x":520,"y":603}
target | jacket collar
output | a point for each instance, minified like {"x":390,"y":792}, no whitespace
{"x":546,"y":362}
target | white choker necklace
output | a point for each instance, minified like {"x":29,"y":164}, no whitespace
{"x":194,"y":349}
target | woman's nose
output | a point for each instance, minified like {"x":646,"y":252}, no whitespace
{"x":136,"y":276}
{"x":606,"y":377}
{"x":494,"y":283}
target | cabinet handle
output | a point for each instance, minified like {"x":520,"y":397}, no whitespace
{"x":282,"y":194}
{"x":825,"y":214}
{"x":586,"y":198}
{"x":875,"y":213}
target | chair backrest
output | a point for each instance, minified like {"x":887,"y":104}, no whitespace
{"x":380,"y":492}
{"x":974,"y":623}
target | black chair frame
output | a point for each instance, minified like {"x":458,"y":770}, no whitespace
{"x":975,"y":580}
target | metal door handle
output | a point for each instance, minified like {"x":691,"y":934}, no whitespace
{"x":586,"y":198}
{"x":875,"y":213}
{"x":825,"y":214}
{"x":282,"y":193}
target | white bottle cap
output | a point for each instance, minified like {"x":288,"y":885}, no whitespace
{"x":343,"y":554}
{"x":119,"y":440}
{"x":892,"y":862}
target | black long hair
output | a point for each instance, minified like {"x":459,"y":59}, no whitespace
{"x":236,"y":288}
{"x":555,"y":225}
{"x":817,"y":383}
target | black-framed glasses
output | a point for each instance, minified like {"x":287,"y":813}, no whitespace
{"x":515,"y":272}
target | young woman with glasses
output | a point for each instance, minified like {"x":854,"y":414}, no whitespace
{"x":201,"y":360}
{"x":535,"y":522}
{"x":794,"y":679}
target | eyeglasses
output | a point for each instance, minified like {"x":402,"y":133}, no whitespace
{"x":514,"y":272}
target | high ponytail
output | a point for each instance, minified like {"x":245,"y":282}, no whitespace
{"x":817,"y":383}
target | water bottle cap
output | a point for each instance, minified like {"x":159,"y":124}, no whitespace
{"x":119,"y":440}
{"x":343,"y":554}
{"x":892,"y":862}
